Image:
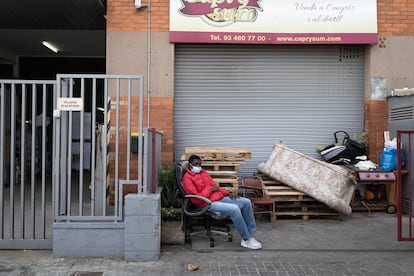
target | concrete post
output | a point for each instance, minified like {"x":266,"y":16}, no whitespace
{"x":142,"y":227}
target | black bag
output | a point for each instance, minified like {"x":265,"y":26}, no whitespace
{"x":343,"y":152}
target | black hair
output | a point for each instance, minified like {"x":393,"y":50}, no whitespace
{"x":192,"y":158}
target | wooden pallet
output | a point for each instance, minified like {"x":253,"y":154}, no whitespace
{"x":223,"y":173}
{"x":268,"y":181}
{"x":217,"y":154}
{"x":292,"y":204}
{"x":229,"y":176}
{"x":281,"y":192}
{"x":228,"y":183}
{"x":221,"y":166}
{"x":306,"y":216}
{"x":304,"y":206}
{"x":308,"y":209}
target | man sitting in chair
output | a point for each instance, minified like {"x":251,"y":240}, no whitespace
{"x":197,"y":181}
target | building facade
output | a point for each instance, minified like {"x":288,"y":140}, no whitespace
{"x":138,"y":42}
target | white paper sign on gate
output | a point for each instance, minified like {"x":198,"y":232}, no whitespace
{"x":70,"y":104}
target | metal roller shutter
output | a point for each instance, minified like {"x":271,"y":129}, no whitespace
{"x":254,"y":95}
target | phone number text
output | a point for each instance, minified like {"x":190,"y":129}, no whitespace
{"x":238,"y":38}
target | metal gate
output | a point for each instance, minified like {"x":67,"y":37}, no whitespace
{"x":405,"y":189}
{"x":93,"y":125}
{"x":25,"y":164}
{"x":67,"y":150}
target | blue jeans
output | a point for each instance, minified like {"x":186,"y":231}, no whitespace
{"x":241,"y":213}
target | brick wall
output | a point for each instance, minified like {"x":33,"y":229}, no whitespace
{"x":123,"y":17}
{"x":395,"y":17}
{"x":161,"y":119}
{"x":376,"y":118}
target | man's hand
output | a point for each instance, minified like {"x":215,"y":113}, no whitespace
{"x":214,"y":189}
{"x":232,"y":196}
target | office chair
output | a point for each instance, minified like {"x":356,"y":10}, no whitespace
{"x":211,"y":222}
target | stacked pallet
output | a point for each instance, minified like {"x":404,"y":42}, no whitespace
{"x":223,"y":164}
{"x":292,"y":204}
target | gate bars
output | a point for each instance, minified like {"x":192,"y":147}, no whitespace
{"x":25,"y":167}
{"x":98,"y":135}
{"x":405,"y":142}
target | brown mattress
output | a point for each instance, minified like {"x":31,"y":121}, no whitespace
{"x":327,"y":183}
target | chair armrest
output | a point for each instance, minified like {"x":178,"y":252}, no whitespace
{"x":256,"y":190}
{"x":197,"y":212}
{"x":208,"y":201}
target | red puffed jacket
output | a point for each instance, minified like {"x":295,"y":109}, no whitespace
{"x":201,"y":184}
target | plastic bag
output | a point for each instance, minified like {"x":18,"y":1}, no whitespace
{"x":391,"y":144}
{"x":389,"y":159}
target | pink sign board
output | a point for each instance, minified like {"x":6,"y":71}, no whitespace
{"x":273,"y":21}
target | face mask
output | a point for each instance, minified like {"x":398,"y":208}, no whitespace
{"x":195,"y":169}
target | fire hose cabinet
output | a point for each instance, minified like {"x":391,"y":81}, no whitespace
{"x":376,"y":191}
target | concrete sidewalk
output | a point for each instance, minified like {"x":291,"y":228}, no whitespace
{"x":357,"y":245}
{"x":378,"y":231}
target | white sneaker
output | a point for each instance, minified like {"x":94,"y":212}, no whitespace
{"x":251,"y":243}
{"x":260,"y":244}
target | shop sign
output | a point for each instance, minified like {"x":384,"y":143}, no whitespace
{"x":274,"y":21}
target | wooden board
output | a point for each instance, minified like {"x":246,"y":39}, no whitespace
{"x":222,"y":173}
{"x":226,"y":181}
{"x":217,"y":153}
{"x":221,"y":166}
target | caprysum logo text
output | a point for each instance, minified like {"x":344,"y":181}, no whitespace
{"x":222,"y":12}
